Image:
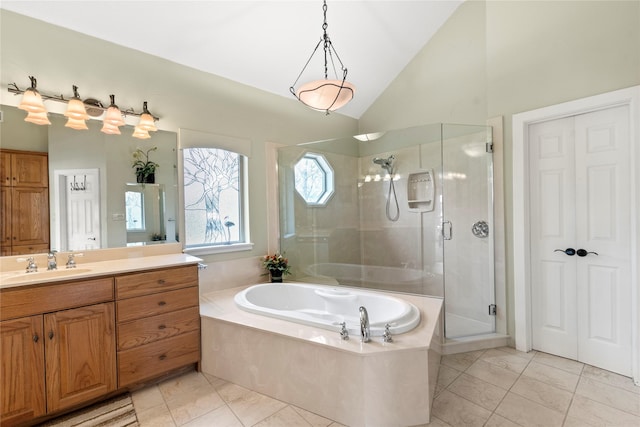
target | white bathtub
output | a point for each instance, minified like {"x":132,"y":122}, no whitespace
{"x":326,"y":307}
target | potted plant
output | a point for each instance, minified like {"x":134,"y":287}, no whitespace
{"x":144,"y":167}
{"x":277,"y":265}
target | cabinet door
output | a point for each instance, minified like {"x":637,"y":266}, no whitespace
{"x":29,"y":170}
{"x":5,"y":217}
{"x":81,"y":358}
{"x":29,"y":216}
{"x":5,"y":168}
{"x":22,"y":387}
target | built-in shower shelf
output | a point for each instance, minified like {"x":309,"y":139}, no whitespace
{"x":420,"y":191}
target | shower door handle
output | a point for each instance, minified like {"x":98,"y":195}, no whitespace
{"x":447,"y":230}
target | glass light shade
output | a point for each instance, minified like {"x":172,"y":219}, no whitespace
{"x":140,"y":133}
{"x":147,"y":123}
{"x":114,"y":117}
{"x":38,"y":118}
{"x":76,"y":110}
{"x":76,"y":124}
{"x":326,"y":95}
{"x":32,"y":102}
{"x":110,"y":129}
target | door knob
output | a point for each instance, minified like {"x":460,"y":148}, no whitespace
{"x":568,"y":251}
{"x":583,"y":252}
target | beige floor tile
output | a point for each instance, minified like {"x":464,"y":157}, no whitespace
{"x":477,"y":391}
{"x":446,"y":376}
{"x":509,"y":362}
{"x":598,"y":414}
{"x":435,"y":422}
{"x":559,"y":362}
{"x":543,"y":393}
{"x":461,"y":361}
{"x":285,"y":417}
{"x":147,"y":398}
{"x":553,"y":376}
{"x":609,"y":395}
{"x":337,"y":425}
{"x":314,"y":420}
{"x":250,"y":407}
{"x":214,"y":381}
{"x":193,"y":403}
{"x":610,"y":378}
{"x":499,"y":421}
{"x":518,"y":353}
{"x":182,"y":384}
{"x":458,"y":411}
{"x":158,"y":416}
{"x":493,"y":374}
{"x":221,"y":417}
{"x":528,"y":413}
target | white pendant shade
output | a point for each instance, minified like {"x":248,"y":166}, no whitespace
{"x":32,"y":102}
{"x":114,"y":117}
{"x":110,"y":129}
{"x":76,"y":124}
{"x":147,"y":123}
{"x":140,"y":133}
{"x":38,"y":118}
{"x":76,"y":110}
{"x":326,"y":95}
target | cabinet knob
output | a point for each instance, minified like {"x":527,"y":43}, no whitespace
{"x":35,"y":338}
{"x":162,"y":303}
{"x":161,"y":326}
{"x":162,"y":356}
{"x":50,"y":335}
{"x":161,"y":281}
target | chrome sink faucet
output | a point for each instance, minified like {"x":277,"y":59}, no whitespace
{"x":364,"y":325}
{"x":52,"y":263}
{"x":71,"y":262}
{"x":31,"y":265}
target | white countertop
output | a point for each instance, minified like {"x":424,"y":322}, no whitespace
{"x":86,"y":270}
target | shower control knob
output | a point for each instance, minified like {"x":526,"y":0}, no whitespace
{"x":568,"y":251}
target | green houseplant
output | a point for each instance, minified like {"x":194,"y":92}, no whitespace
{"x":144,"y":167}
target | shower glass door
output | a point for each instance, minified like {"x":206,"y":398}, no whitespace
{"x":467,"y":207}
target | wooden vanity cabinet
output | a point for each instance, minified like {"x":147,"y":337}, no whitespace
{"x":58,"y":351}
{"x":158,"y":322}
{"x":24,"y":193}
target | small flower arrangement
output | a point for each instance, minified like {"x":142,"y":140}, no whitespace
{"x":276,"y":262}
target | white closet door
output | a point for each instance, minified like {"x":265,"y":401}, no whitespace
{"x":580,"y":199}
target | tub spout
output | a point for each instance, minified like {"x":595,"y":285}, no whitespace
{"x":364,"y":325}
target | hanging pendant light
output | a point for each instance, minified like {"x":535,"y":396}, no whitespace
{"x":147,"y":122}
{"x":75,"y":108}
{"x":38,"y":118}
{"x":114,"y":115}
{"x":31,"y":99}
{"x":140,"y":133}
{"x":325,"y":94}
{"x":76,"y":124}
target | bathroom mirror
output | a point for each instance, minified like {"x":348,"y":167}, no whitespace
{"x":103,"y":163}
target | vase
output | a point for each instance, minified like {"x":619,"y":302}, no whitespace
{"x":146,"y":179}
{"x":276,"y":276}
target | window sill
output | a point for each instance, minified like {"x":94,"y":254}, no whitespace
{"x":219,"y":249}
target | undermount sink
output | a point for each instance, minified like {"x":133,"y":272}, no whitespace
{"x":22,"y":276}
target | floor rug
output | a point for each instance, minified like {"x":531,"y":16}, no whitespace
{"x":115,"y":412}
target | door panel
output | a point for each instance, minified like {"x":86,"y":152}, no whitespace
{"x":580,"y":199}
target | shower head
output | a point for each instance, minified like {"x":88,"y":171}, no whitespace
{"x":386,"y":164}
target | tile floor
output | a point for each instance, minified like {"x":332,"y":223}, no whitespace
{"x":496,"y":387}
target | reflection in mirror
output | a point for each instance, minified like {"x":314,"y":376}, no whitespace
{"x":110,"y":158}
{"x":144,"y":213}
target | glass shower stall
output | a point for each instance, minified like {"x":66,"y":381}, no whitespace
{"x":407,"y":210}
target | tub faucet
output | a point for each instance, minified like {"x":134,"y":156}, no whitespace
{"x":364,"y":325}
{"x":52,"y":264}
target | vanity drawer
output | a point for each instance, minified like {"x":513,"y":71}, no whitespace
{"x":144,"y":331}
{"x":26,"y":301}
{"x":137,"y":284}
{"x":154,"y":304}
{"x":145,"y":362}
